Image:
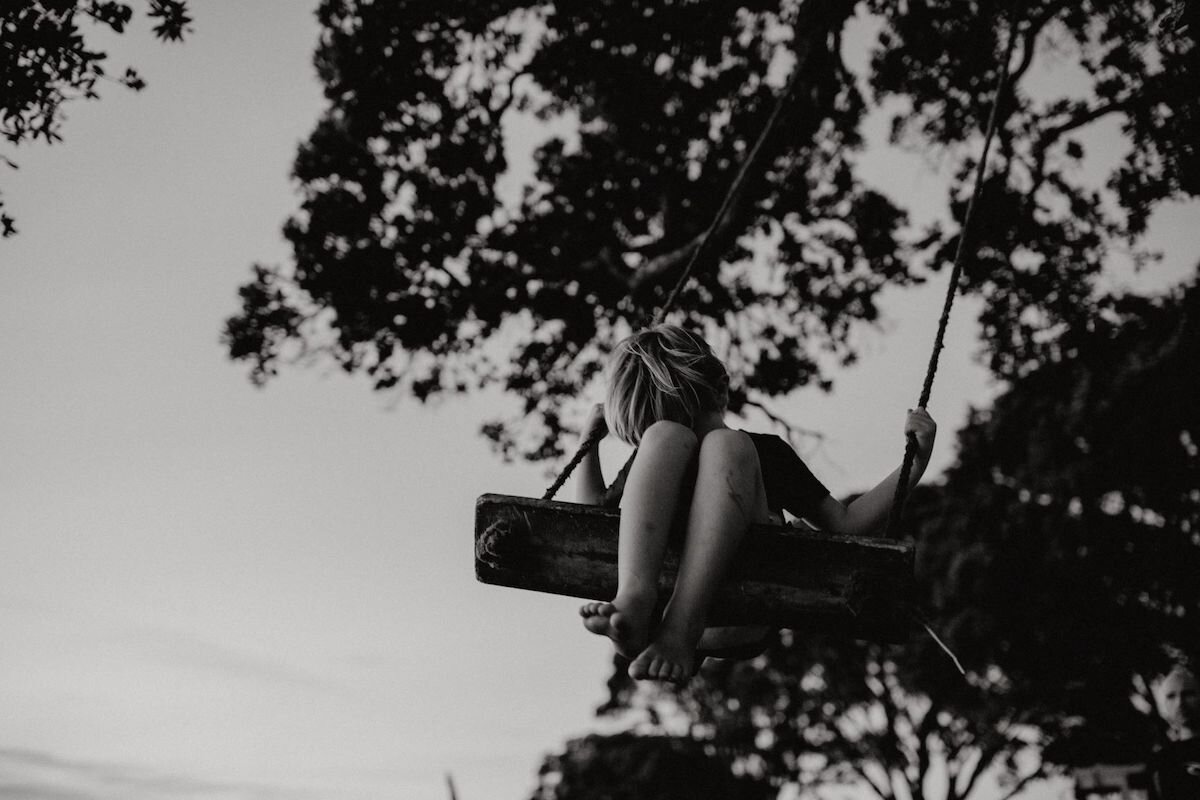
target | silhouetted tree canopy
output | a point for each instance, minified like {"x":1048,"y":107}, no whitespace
{"x":412,"y":266}
{"x":1068,"y":545}
{"x":1062,"y":550}
{"x":46,"y":60}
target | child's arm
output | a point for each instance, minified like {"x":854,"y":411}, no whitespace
{"x":867,"y":513}
{"x":590,"y":484}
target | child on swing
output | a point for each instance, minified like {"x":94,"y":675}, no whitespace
{"x":667,"y":395}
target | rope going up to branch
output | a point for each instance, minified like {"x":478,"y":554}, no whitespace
{"x":735,"y":190}
{"x":910,"y":448}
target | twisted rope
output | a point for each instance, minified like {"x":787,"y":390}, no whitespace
{"x":735,"y":188}
{"x":591,"y":440}
{"x":910,"y":448}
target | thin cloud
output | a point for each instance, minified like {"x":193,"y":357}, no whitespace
{"x":163,"y":644}
{"x":178,"y":649}
{"x":37,"y":775}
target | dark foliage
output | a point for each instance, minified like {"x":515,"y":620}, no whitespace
{"x":1069,"y":536}
{"x":45,"y":61}
{"x":630,"y":767}
{"x":1061,"y":552}
{"x":410,"y":265}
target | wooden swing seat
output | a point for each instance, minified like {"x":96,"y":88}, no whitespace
{"x":785,"y":577}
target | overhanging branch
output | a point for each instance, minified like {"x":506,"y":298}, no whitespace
{"x":1052,"y":134}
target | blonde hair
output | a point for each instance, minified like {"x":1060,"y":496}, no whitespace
{"x":665,"y":373}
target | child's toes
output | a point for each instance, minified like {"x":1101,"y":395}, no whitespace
{"x":595,"y":609}
{"x":653,"y":664}
{"x":599,"y":618}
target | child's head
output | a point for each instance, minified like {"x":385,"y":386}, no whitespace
{"x":665,"y":373}
{"x":1175,"y":695}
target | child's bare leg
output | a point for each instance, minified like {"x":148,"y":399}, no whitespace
{"x":729,"y":496}
{"x":647,"y":510}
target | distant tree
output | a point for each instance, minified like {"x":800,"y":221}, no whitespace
{"x":1061,"y":552}
{"x":1069,"y":535}
{"x":411,"y":266}
{"x":625,"y":766}
{"x":818,"y":712}
{"x":45,"y":61}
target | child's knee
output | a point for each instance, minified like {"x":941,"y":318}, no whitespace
{"x":730,"y":458}
{"x":730,"y":447}
{"x":671,"y":435}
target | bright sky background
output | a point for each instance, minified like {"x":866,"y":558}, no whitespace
{"x":212,"y":591}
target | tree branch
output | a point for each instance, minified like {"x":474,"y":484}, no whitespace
{"x":1029,"y":40}
{"x":787,"y":426}
{"x":661,"y":268}
{"x":1038,"y":774}
{"x":890,"y":749}
{"x":884,"y":792}
{"x":1049,"y":136}
{"x":923,"y":759}
{"x":656,"y":268}
{"x":605,"y":262}
{"x":986,"y":756}
{"x":988,"y":752}
{"x":856,"y":752}
{"x":1052,"y":134}
{"x":818,"y":17}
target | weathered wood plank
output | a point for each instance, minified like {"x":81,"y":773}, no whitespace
{"x":783,"y":576}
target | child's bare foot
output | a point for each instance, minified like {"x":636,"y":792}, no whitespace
{"x":626,"y":622}
{"x":665,"y":660}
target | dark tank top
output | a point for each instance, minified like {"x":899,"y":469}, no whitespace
{"x":789,"y":483}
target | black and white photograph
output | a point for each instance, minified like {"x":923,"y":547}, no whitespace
{"x":599,"y":400}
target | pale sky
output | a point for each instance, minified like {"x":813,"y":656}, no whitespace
{"x":213,"y":591}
